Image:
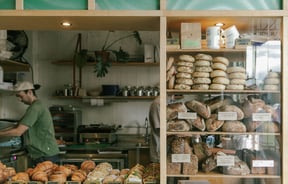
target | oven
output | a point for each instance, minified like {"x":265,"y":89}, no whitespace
{"x":66,"y":119}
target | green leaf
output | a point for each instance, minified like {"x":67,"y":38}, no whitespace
{"x":81,"y":58}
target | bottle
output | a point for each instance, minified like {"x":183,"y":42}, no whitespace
{"x":1,"y":74}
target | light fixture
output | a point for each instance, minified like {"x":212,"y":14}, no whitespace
{"x":219,"y":24}
{"x":66,"y":24}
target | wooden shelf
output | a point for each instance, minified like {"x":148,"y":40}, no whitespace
{"x":108,"y":97}
{"x":221,"y":91}
{"x":66,"y":62}
{"x":14,"y":66}
{"x":220,"y":175}
{"x":206,"y":50}
{"x":220,"y":133}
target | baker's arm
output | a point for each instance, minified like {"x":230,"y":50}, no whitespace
{"x":17,"y":131}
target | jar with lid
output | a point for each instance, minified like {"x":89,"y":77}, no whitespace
{"x":68,"y":90}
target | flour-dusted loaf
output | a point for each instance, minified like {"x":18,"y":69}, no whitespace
{"x":252,"y":105}
{"x":239,"y":168}
{"x":202,"y":56}
{"x":218,"y":101}
{"x":200,"y":108}
{"x":191,"y":168}
{"x":172,"y":167}
{"x":233,"y":108}
{"x":178,"y":145}
{"x":198,"y":123}
{"x":233,"y":126}
{"x":173,"y":109}
{"x":178,"y":125}
{"x":202,"y":151}
{"x":213,"y":124}
{"x":209,"y":164}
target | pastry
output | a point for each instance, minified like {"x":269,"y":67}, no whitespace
{"x":169,"y":63}
{"x":203,"y":57}
{"x":184,"y":81}
{"x":201,"y":74}
{"x":202,"y":80}
{"x":218,"y":73}
{"x":217,"y":86}
{"x":219,"y":66}
{"x":184,"y":75}
{"x":87,"y":165}
{"x":184,"y":69}
{"x":222,"y":60}
{"x":202,"y":63}
{"x":184,"y":63}
{"x":186,"y":57}
{"x":235,"y":69}
{"x":203,"y":69}
{"x":182,"y":86}
{"x":220,"y":80}
{"x":200,"y":86}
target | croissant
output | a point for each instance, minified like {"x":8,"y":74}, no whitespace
{"x":78,"y":175}
{"x":62,"y":169}
{"x":88,"y":165}
{"x":46,"y":165}
{"x":61,"y":178}
{"x":9,"y":171}
{"x":40,"y":176}
{"x":21,"y":176}
{"x":72,"y":167}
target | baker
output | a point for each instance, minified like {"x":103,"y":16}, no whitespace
{"x":36,"y":126}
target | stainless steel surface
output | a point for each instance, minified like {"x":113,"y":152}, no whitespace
{"x":6,"y":124}
{"x":97,"y":138}
{"x":146,"y":132}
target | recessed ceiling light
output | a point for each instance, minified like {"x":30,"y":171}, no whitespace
{"x":219,"y":24}
{"x":66,"y":24}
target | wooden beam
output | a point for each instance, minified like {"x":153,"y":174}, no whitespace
{"x":91,"y":4}
{"x":19,"y":4}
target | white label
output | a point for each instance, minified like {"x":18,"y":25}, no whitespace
{"x":187,"y":115}
{"x":181,"y":158}
{"x":225,"y":160}
{"x":263,"y":163}
{"x":261,"y":117}
{"x":227,"y":116}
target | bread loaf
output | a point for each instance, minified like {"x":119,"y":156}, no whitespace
{"x":173,"y":109}
{"x":201,"y":109}
{"x":233,"y":108}
{"x":191,"y":168}
{"x":177,"y":125}
{"x":172,"y":167}
{"x":213,"y":124}
{"x":201,"y":56}
{"x":198,"y":123}
{"x":87,"y":165}
{"x":233,"y":126}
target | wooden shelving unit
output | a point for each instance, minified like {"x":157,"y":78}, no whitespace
{"x":159,"y":20}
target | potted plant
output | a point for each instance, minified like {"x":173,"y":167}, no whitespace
{"x":102,"y":56}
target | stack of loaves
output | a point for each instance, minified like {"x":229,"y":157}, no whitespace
{"x":237,"y":76}
{"x":184,"y":68}
{"x":272,"y":81}
{"x":201,"y":76}
{"x":218,"y":75}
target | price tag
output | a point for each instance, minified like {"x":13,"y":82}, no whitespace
{"x":187,"y":115}
{"x":225,"y":160}
{"x":227,"y":116}
{"x":176,"y":158}
{"x":261,"y":116}
{"x":263,"y":163}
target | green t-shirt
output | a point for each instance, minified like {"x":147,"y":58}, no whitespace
{"x":39,"y":139}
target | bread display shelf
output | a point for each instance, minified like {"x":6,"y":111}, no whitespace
{"x":205,"y":50}
{"x":222,"y":91}
{"x":221,"y":175}
{"x":220,"y":133}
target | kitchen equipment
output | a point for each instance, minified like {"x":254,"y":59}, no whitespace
{"x":110,"y":90}
{"x":97,"y":133}
{"x":66,"y":120}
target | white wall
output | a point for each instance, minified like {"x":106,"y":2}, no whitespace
{"x":48,"y":46}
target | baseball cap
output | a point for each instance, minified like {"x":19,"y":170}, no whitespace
{"x":25,"y":85}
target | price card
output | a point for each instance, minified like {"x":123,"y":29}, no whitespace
{"x":187,"y":115}
{"x":261,"y":116}
{"x":227,"y":116}
{"x":176,"y":158}
{"x":263,"y":163}
{"x":225,"y":160}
